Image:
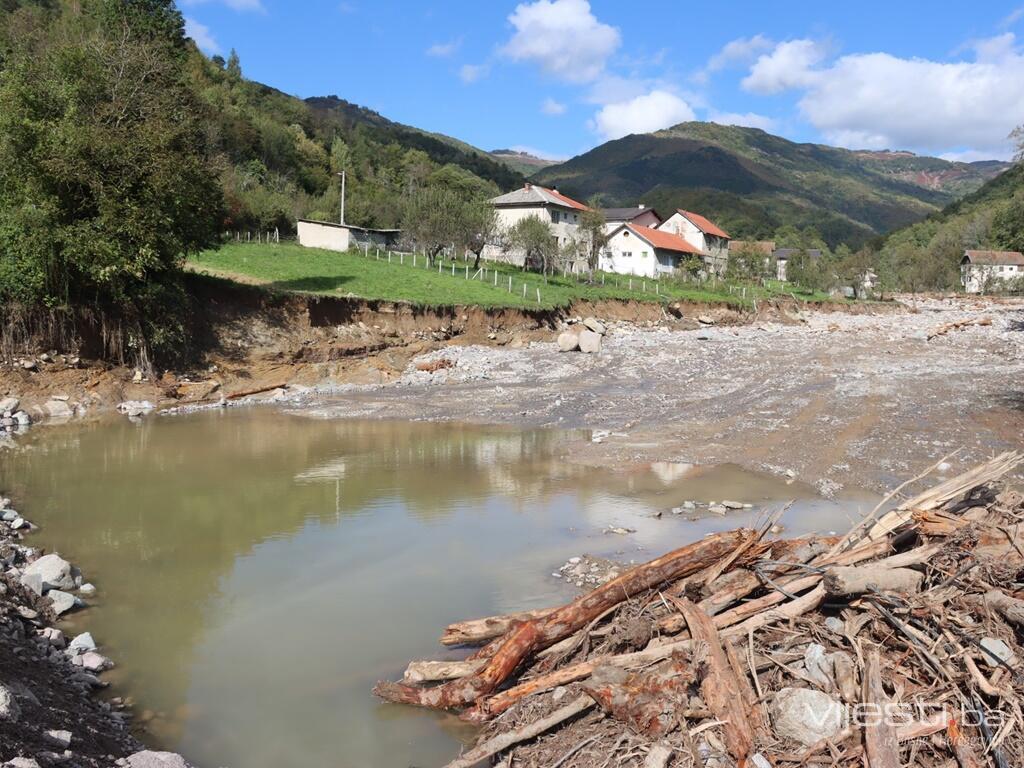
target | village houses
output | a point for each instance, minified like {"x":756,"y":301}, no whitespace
{"x":561,"y":213}
{"x":710,"y":239}
{"x":982,"y":271}
{"x":647,"y":252}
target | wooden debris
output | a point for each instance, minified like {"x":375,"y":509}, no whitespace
{"x":880,"y":742}
{"x":856,"y":580}
{"x":942,"y":330}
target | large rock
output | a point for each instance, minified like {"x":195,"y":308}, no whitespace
{"x":9,"y":405}
{"x":81,"y":644}
{"x":806,"y":716}
{"x":595,"y":325}
{"x":149,"y":759}
{"x":62,"y":602}
{"x":95,"y":662}
{"x":32,"y":582}
{"x":568,"y":341}
{"x":21,"y":762}
{"x":58,"y":410}
{"x":9,"y":709}
{"x":54,"y":570}
{"x":590,"y":342}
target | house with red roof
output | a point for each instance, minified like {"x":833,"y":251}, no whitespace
{"x":703,"y":234}
{"x":633,"y":249}
{"x":560,"y":212}
{"x":989,"y":271}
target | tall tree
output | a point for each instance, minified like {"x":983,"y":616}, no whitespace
{"x":593,"y":234}
{"x":534,"y":238}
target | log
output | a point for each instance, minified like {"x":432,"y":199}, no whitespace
{"x":1010,"y":608}
{"x":719,"y":688}
{"x":536,"y":634}
{"x":503,"y":741}
{"x":880,"y":742}
{"x":479,"y":631}
{"x":942,"y":330}
{"x":856,"y":580}
{"x":439,"y":671}
{"x":650,"y":702}
{"x":257,"y":390}
{"x":961,"y":747}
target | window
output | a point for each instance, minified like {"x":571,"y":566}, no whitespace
{"x":554,"y":216}
{"x":627,"y":254}
{"x":643,"y":254}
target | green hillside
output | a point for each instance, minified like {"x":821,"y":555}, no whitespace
{"x":752,"y":182}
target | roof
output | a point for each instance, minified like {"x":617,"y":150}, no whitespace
{"x":786,"y":253}
{"x":336,"y":225}
{"x":767,"y":247}
{"x":532,"y":194}
{"x":627,"y":214}
{"x":994,"y":257}
{"x":665,"y":241}
{"x":703,"y":224}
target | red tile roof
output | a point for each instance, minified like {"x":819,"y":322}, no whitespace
{"x":566,"y":200}
{"x":664,"y":240}
{"x":994,"y":257}
{"x":704,"y":225}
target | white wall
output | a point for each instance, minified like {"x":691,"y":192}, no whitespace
{"x":980,"y":277}
{"x":332,"y":237}
{"x":717,"y":248}
{"x":565,"y":230}
{"x":628,"y":254}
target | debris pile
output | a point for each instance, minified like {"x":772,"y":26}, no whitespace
{"x":898,"y":644}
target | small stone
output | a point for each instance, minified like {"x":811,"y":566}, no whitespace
{"x":27,"y":613}
{"x":995,"y":647}
{"x":9,"y":405}
{"x":81,"y":644}
{"x":62,"y":601}
{"x":18,"y":523}
{"x":150,"y":759}
{"x":59,"y":739}
{"x":559,"y":693}
{"x":759,"y":761}
{"x":9,"y":709}
{"x":29,"y":365}
{"x":835,"y":624}
{"x":95,"y":662}
{"x":87,"y":589}
{"x":718,"y":509}
{"x":806,"y":716}
{"x":568,"y":341}
{"x":9,"y":515}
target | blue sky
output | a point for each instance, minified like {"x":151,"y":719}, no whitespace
{"x":558,"y":77}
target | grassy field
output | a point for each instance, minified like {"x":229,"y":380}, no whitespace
{"x":290,"y":267}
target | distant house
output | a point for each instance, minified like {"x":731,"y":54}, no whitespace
{"x":641,"y":216}
{"x":982,"y":271}
{"x":646,"y":252}
{"x":342,"y":237}
{"x":784,"y":255}
{"x":559,"y":212}
{"x":709,"y":239}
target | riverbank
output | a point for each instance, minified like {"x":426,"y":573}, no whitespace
{"x":49,"y":714}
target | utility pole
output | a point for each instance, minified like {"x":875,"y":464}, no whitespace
{"x":342,"y":219}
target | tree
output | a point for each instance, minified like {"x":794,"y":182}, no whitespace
{"x":750,"y":262}
{"x":1008,"y":225}
{"x":107,"y":178}
{"x":479,"y":225}
{"x":1017,"y":136}
{"x":593,"y":236}
{"x":436,"y":217}
{"x":234,"y":66}
{"x":534,"y":238}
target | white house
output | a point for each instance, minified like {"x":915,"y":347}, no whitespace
{"x":711,"y":240}
{"x":560,"y":213}
{"x":982,"y":271}
{"x":646,"y":252}
{"x":342,"y":237}
{"x":641,"y":215}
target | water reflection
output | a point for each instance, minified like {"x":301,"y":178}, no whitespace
{"x":259,"y":571}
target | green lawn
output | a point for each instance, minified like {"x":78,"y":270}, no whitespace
{"x":290,"y":267}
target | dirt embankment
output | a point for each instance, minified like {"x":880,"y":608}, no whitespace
{"x":254,"y":341}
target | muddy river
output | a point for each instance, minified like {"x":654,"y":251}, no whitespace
{"x":258,"y":571}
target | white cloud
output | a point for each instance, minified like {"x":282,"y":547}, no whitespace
{"x":563,"y":37}
{"x":789,"y":65}
{"x":202,"y":36}
{"x":878,"y":101}
{"x":733,"y":53}
{"x":235,"y":5}
{"x":470,"y":73}
{"x":745,"y":119}
{"x":551,"y":107}
{"x":444,"y":50}
{"x":643,"y":114}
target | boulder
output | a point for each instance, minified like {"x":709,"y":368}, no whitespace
{"x":58,"y":409}
{"x":81,"y":644}
{"x":59,"y":739}
{"x":95,"y":662}
{"x":9,"y":405}
{"x":732,"y":504}
{"x":32,"y":582}
{"x":62,"y":601}
{"x":9,"y":709}
{"x":595,"y":326}
{"x":806,"y":716}
{"x":54,"y":570}
{"x":590,"y":342}
{"x":568,"y":341}
{"x":135,"y":408}
{"x":150,"y":759}
{"x":21,"y":762}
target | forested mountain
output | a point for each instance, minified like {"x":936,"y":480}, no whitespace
{"x":752,"y":182}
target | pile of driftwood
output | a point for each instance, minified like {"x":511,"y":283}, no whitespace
{"x":898,"y":644}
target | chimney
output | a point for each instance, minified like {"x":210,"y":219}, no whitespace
{"x":527,"y":185}
{"x":642,"y":206}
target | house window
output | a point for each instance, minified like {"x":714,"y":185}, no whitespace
{"x":643,"y":254}
{"x":554,"y":216}
{"x":627,"y":254}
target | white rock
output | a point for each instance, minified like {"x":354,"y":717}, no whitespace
{"x":87,"y":589}
{"x":58,"y":409}
{"x":9,"y":405}
{"x":95,"y":662}
{"x":18,"y":523}
{"x":60,"y":739}
{"x":62,"y":601}
{"x":149,"y":759}
{"x":817,"y":666}
{"x":9,"y":709}
{"x":21,"y":762}
{"x":806,"y":716}
{"x":9,"y":515}
{"x":590,"y":342}
{"x":81,"y":644}
{"x":54,"y":570}
{"x":595,"y":326}
{"x":135,"y":408}
{"x":999,"y":649}
{"x":732,"y":504}
{"x":33,"y":582}
{"x":717,"y":509}
{"x":568,"y":341}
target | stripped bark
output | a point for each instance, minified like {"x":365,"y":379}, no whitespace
{"x":477,"y":631}
{"x":856,"y":580}
{"x":880,"y":742}
{"x":1010,"y":608}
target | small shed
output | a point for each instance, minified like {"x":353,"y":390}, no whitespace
{"x":344,"y":237}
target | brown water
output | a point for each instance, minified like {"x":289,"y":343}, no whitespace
{"x":258,"y":571}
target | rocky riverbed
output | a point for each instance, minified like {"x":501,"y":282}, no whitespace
{"x":49,"y":712}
